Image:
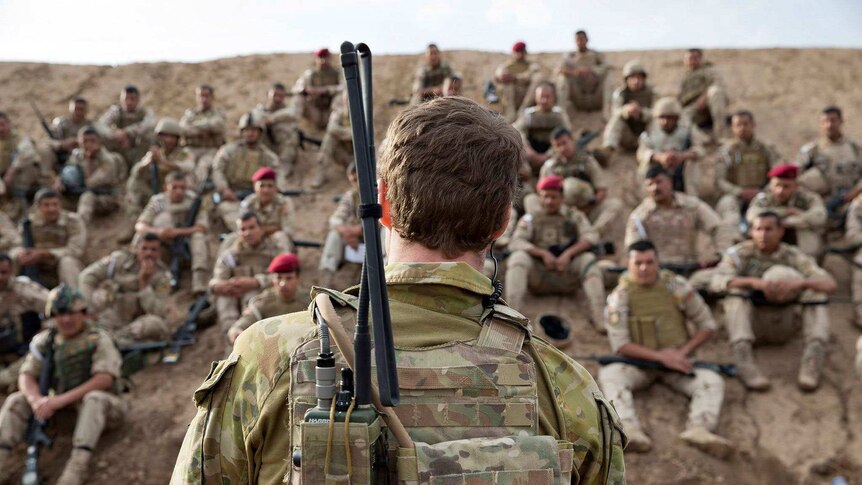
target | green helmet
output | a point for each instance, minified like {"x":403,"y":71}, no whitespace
{"x":64,"y":299}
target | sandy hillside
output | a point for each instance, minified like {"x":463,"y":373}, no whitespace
{"x":783,"y":436}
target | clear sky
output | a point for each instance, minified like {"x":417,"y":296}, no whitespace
{"x":122,"y":31}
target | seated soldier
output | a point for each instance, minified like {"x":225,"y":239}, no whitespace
{"x":336,"y":148}
{"x":677,"y":146}
{"x":631,"y":109}
{"x":240,"y":271}
{"x":518,"y":78}
{"x":64,"y":130}
{"x":59,"y":238}
{"x":345,"y":237}
{"x":673,"y":221}
{"x":203,"y":130}
{"x":91,"y":177}
{"x":127,"y":127}
{"x":19,"y":168}
{"x":234,"y":165}
{"x":769,"y":284}
{"x":702,"y":94}
{"x":657,"y":316}
{"x":128,"y":292}
{"x":582,"y":77}
{"x":802,"y":213}
{"x":18,"y":297}
{"x":537,"y":123}
{"x":86,"y":367}
{"x":275,"y":212}
{"x":742,"y":169}
{"x":429,"y":77}
{"x":166,"y":215}
{"x":9,"y":236}
{"x":279,"y":299}
{"x":853,"y":238}
{"x":315,"y":89}
{"x":282,"y":127}
{"x":551,"y":254}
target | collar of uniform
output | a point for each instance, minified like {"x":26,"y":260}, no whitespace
{"x":459,"y":275}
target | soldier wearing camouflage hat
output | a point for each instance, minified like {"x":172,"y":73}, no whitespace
{"x":127,"y":127}
{"x":17,"y":297}
{"x":631,"y":109}
{"x":282,"y":127}
{"x":251,"y":404}
{"x":203,"y":130}
{"x":86,"y":367}
{"x":703,"y":95}
{"x":519,"y":78}
{"x":582,"y":76}
{"x":316,"y":88}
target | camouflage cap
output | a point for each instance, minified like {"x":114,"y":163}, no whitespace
{"x":168,"y":126}
{"x":64,"y":299}
{"x":667,"y":106}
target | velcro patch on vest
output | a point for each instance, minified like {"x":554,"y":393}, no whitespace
{"x":466,"y":414}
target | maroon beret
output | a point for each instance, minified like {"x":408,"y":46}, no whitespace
{"x":321,"y":52}
{"x":263,"y":173}
{"x":519,"y":47}
{"x":284,"y":263}
{"x":784,"y":171}
{"x":551,"y":182}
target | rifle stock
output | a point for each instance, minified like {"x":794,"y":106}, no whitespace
{"x":36,"y":436}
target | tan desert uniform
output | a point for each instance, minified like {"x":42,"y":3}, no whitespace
{"x":835,"y":166}
{"x":282,"y":136}
{"x":426,"y":77}
{"x":515,"y":95}
{"x":100,"y":173}
{"x":139,"y":186}
{"x":695,"y":83}
{"x":76,"y":360}
{"x":18,"y":152}
{"x":316,"y":108}
{"x":742,"y":165}
{"x":19,"y":296}
{"x":697,"y":175}
{"x":584,"y":93}
{"x":233,"y":167}
{"x":65,"y":240}
{"x":161,"y":212}
{"x":808,"y":226}
{"x":280,"y":212}
{"x":853,"y":237}
{"x":622,"y":132}
{"x":241,"y":260}
{"x":123,"y":308}
{"x":659,"y":316}
{"x":63,"y":127}
{"x":345,"y":214}
{"x":138,"y":125}
{"x":9,"y":236}
{"x":337,"y":146}
{"x":536,"y":126}
{"x":544,"y":230}
{"x":266,"y":305}
{"x":203,"y":134}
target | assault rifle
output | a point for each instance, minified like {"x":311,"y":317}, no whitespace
{"x":62,"y":155}
{"x":180,"y":245}
{"x":727,"y":369}
{"x":36,"y":436}
{"x":185,"y":335}
{"x":155,"y":178}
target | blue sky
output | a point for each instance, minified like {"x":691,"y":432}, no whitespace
{"x":116,"y":32}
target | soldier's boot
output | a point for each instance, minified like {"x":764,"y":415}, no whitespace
{"x":75,"y":472}
{"x":707,"y":442}
{"x":5,"y":472}
{"x":639,"y":442}
{"x":746,"y":369}
{"x":319,"y":177}
{"x":812,"y":363}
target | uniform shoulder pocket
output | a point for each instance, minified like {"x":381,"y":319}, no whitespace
{"x":218,"y":370}
{"x":613,"y":438}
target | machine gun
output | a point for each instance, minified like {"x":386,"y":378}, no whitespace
{"x":727,"y":369}
{"x":62,"y":155}
{"x":155,"y":177}
{"x":180,"y":246}
{"x":185,"y":335}
{"x":36,"y":436}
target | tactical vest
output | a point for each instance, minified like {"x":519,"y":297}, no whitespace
{"x":50,"y":236}
{"x":8,"y":150}
{"x":674,"y":233}
{"x":679,"y":139}
{"x":268,"y":215}
{"x":208,"y":139}
{"x":248,"y":261}
{"x":321,"y":78}
{"x":73,"y":360}
{"x":242,"y":166}
{"x":553,"y":230}
{"x":127,"y":119}
{"x":655,"y":320}
{"x":644,"y":98}
{"x":576,"y":169}
{"x":478,"y":412}
{"x":748,"y":164}
{"x":694,"y":84}
{"x":67,"y":128}
{"x":841,"y":173}
{"x":434,"y":76}
{"x":540,"y":125}
{"x":123,"y":286}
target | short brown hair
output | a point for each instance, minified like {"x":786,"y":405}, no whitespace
{"x":451,"y":168}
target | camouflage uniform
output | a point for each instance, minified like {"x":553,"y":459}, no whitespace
{"x":697,"y":177}
{"x":584,"y":93}
{"x":516,"y":94}
{"x":249,"y":407}
{"x":203,"y":134}
{"x":524,"y":272}
{"x":19,"y":296}
{"x":854,"y":238}
{"x":426,"y":77}
{"x":241,"y":260}
{"x":65,"y":239}
{"x":127,"y":311}
{"x":345,"y":214}
{"x":742,"y":165}
{"x":9,"y":236}
{"x":536,"y":126}
{"x":659,"y":316}
{"x":831,"y":167}
{"x":268,"y":304}
{"x":808,"y":226}
{"x":63,"y":127}
{"x":139,"y":186}
{"x":233,"y":167}
{"x":704,"y":80}
{"x":138,"y":125}
{"x":102,"y":174}
{"x":18,"y":152}
{"x":622,"y":132}
{"x":336,"y":149}
{"x":280,"y":212}
{"x":316,"y":108}
{"x":282,"y":136}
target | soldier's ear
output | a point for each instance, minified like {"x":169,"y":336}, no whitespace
{"x":383,"y":200}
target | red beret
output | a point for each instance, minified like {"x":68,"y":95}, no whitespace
{"x":321,"y":52}
{"x":784,"y":171}
{"x":263,"y":173}
{"x":284,"y":263}
{"x":519,"y":47}
{"x":551,"y":182}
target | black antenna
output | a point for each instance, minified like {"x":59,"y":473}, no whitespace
{"x":372,"y":289}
